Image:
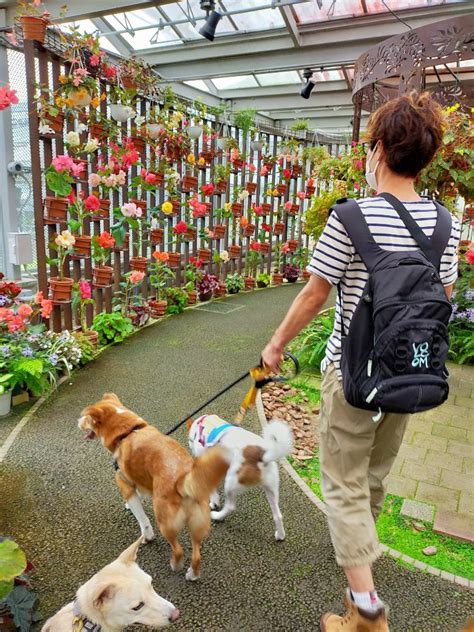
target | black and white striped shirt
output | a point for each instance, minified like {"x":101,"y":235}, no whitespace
{"x":335,"y":258}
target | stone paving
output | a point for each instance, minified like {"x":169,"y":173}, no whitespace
{"x":435,"y":464}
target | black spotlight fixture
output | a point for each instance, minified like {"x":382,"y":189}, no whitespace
{"x":310,"y":83}
{"x":213,"y":19}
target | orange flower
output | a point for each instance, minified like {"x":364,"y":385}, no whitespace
{"x":163,"y":257}
{"x":244,"y":222}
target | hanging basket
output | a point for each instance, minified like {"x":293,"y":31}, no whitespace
{"x":139,"y":143}
{"x":121,"y":113}
{"x":293,"y":210}
{"x":82,"y":247}
{"x":264,"y":248}
{"x":281,"y":188}
{"x":249,"y":230}
{"x":220,"y":187}
{"x":218,"y":231}
{"x":102,"y":276}
{"x":310,"y":191}
{"x":234,"y":252}
{"x":80,"y":98}
{"x":251,"y":187}
{"x":97,"y":130}
{"x":236,"y":209}
{"x":154,"y":130}
{"x":296,"y":171}
{"x":279,"y":228}
{"x":55,"y":210}
{"x":204,"y":254}
{"x":194,"y":131}
{"x":266,"y":208}
{"x":34,"y":27}
{"x":140,"y":204}
{"x":138,"y":264}
{"x":61,"y":289}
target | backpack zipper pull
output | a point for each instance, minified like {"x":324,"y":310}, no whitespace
{"x":369,"y":366}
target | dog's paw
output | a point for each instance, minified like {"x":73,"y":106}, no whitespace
{"x":280,"y":535}
{"x":217,"y":515}
{"x":213,"y":505}
{"x":177,"y":565}
{"x":148,"y":534}
{"x":190,"y":576}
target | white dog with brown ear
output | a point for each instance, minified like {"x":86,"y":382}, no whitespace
{"x":119,"y":595}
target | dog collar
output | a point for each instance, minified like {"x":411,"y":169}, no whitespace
{"x":123,"y":436}
{"x":81,"y":623}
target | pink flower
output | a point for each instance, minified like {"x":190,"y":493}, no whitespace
{"x":356,"y":186}
{"x":207,"y":189}
{"x":359,"y":164}
{"x":94,"y":60}
{"x":130,"y":209}
{"x":301,"y":195}
{"x":16,"y":324}
{"x":77,"y":169}
{"x":137,"y":277}
{"x":94,"y":180}
{"x":199,"y":210}
{"x":258,"y":210}
{"x":85,"y":290}
{"x":110,"y":181}
{"x":150,"y":178}
{"x":252,"y":168}
{"x":288,"y":205}
{"x":285,"y":248}
{"x":37,"y":3}
{"x":62,"y":163}
{"x":25,"y":311}
{"x":46,"y":308}
{"x":121,"y":175}
{"x":38,"y":298}
{"x":12,"y":38}
{"x":470,"y":256}
{"x":264,"y":171}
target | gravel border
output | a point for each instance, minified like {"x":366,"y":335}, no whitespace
{"x":416,"y":564}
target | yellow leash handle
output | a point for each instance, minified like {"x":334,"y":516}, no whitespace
{"x":258,"y":375}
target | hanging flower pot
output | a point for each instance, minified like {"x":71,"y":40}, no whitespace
{"x":56,"y":123}
{"x":279,"y":228}
{"x":97,"y":130}
{"x":237,"y":165}
{"x":140,"y":204}
{"x":102,"y":276}
{"x":139,"y":144}
{"x":264,"y":248}
{"x":251,"y":187}
{"x":220,"y":187}
{"x":249,"y":230}
{"x":256,"y":145}
{"x":159,"y":178}
{"x":55,"y":209}
{"x":208,"y":206}
{"x":236,"y":209}
{"x":268,"y":166}
{"x":80,"y":98}
{"x":189,"y":184}
{"x":292,"y":244}
{"x":218,"y":231}
{"x":34,"y":27}
{"x":156,"y":235}
{"x":138,"y":264}
{"x":223,"y":143}
{"x":61,"y":289}
{"x":207,"y":154}
{"x":234,"y":252}
{"x":277,"y":278}
{"x":266,"y":208}
{"x":309,"y":191}
{"x":194,"y":131}
{"x":129,"y":82}
{"x":158,"y":308}
{"x":154,"y":130}
{"x":296,"y":171}
{"x":281,"y":188}
{"x":176,"y":204}
{"x":221,"y":290}
{"x":204,"y":254}
{"x":82,"y":247}
{"x":124,"y":246}
{"x":293,"y":209}
{"x":190,"y":234}
{"x":192,"y":297}
{"x":103,"y":212}
{"x":249,"y":283}
{"x":121,"y":113}
{"x":174,"y":259}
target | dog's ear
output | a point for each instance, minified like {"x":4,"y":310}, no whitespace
{"x":93,"y":414}
{"x":103,"y":593}
{"x":111,"y":396}
{"x":129,"y":556}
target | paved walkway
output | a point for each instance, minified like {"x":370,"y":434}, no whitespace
{"x":60,"y":502}
{"x":435,"y":464}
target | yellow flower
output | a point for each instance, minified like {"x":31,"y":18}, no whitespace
{"x":95,"y":102}
{"x":167,"y":208}
{"x":228,"y":206}
{"x":103,"y":96}
{"x":62,"y":79}
{"x":191,"y":159}
{"x":268,"y":192}
{"x":70,"y":102}
{"x":202,"y":161}
{"x":275,"y":192}
{"x":60,"y":102}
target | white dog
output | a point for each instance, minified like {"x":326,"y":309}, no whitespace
{"x":119,"y":595}
{"x":253,"y":460}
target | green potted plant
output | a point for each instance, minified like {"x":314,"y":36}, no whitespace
{"x":81,"y":298}
{"x":278,"y":250}
{"x":160,"y":274}
{"x":263,"y":280}
{"x":234,"y":283}
{"x":34,"y":19}
{"x":5,"y":389}
{"x":221,"y":174}
{"x":206,"y":285}
{"x":17,"y":601}
{"x":122,"y":103}
{"x":245,"y":119}
{"x":61,"y":286}
{"x":252,"y":259}
{"x":102,"y":246}
{"x":112,"y":327}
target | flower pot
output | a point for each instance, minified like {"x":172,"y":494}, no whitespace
{"x":281,"y":188}
{"x":268,"y":166}
{"x":192,"y":297}
{"x":158,"y":308}
{"x":176,"y":204}
{"x":279,"y":228}
{"x":121,"y":113}
{"x":306,"y":275}
{"x":266,"y":208}
{"x":139,"y":315}
{"x":207,"y":154}
{"x":82,"y":246}
{"x":310,"y":191}
{"x":249,"y":283}
{"x":262,"y":284}
{"x":277,"y":278}
{"x":234,"y":290}
{"x":5,"y":403}
{"x":292,"y":244}
{"x":174,"y":259}
{"x":204,"y":254}
{"x":205,"y":296}
{"x":92,"y":336}
{"x":293,"y":210}
{"x":34,"y":27}
{"x":220,"y":187}
{"x":256,"y":145}
{"x":97,"y":130}
{"x":159,"y":179}
{"x":219,"y":231}
{"x":234,"y":252}
{"x":55,"y":123}
{"x":194,"y":131}
{"x":237,"y":165}
{"x":296,"y":171}
{"x":221,"y":291}
{"x":140,"y":204}
{"x":156,"y":235}
{"x":138,"y":263}
{"x":61,"y":289}
{"x":237,"y":208}
{"x":190,"y":234}
{"x":129,"y":82}
{"x":56,"y":209}
{"x":264,"y":248}
{"x":102,"y":276}
{"x":251,"y":187}
{"x":139,"y":144}
{"x":124,"y":245}
{"x":222,"y":143}
{"x":292,"y":279}
{"x":103,"y":212}
{"x":249,"y":230}
{"x":189,"y":184}
{"x":80,"y":98}
{"x":154,"y":130}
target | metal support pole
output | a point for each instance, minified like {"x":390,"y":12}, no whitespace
{"x":357,"y":117}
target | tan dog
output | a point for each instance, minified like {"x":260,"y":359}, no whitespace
{"x":119,"y":595}
{"x":151,"y":463}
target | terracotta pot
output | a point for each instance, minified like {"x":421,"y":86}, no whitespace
{"x":176,"y":207}
{"x":204,"y":254}
{"x":277,"y":278}
{"x":269,"y":166}
{"x":158,"y":308}
{"x":219,"y":231}
{"x":192,"y":297}
{"x":61,"y":289}
{"x":156,"y":235}
{"x":281,"y":188}
{"x":208,"y":206}
{"x":251,"y":187}
{"x":279,"y":228}
{"x":103,"y":212}
{"x":293,"y":210}
{"x":292,"y":279}
{"x":138,"y":263}
{"x":264,"y":248}
{"x":34,"y":27}
{"x":56,"y":124}
{"x":237,"y":165}
{"x":292,"y":244}
{"x":221,"y":291}
{"x":160,"y":178}
{"x":102,"y":276}
{"x":249,"y":230}
{"x":190,"y":234}
{"x":266,"y":208}
{"x":220,"y":187}
{"x":189,"y":184}
{"x":207,"y":154}
{"x":128,"y":82}
{"x":140,"y":204}
{"x":140,"y":143}
{"x":124,"y":246}
{"x":206,"y":296}
{"x":249,"y":283}
{"x":56,"y":209}
{"x":310,"y":191}
{"x":92,"y":336}
{"x":97,"y":130}
{"x":174,"y":259}
{"x":296,"y":171}
{"x":237,"y":209}
{"x":82,"y":246}
{"x":234,"y":252}
{"x":306,"y":275}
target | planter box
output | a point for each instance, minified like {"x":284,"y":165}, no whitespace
{"x":138,"y":263}
{"x":296,"y":171}
{"x":174,"y":259}
{"x":249,"y":230}
{"x":293,"y":210}
{"x":190,"y":234}
{"x":102,"y":276}
{"x":61,"y":289}
{"x":266,"y":208}
{"x":292,"y":244}
{"x":251,"y":187}
{"x":237,"y":208}
{"x":208,"y":155}
{"x":82,"y":247}
{"x":281,"y":188}
{"x":237,"y":165}
{"x":34,"y":27}
{"x":55,"y":210}
{"x":97,"y":130}
{"x":269,"y":166}
{"x":56,"y":123}
{"x":204,"y":254}
{"x":234,"y":252}
{"x":277,"y":278}
{"x":156,"y":235}
{"x":140,"y":143}
{"x":279,"y":228}
{"x":189,"y":184}
{"x":219,"y":231}
{"x":176,"y":207}
{"x":264,"y":248}
{"x":220,"y":187}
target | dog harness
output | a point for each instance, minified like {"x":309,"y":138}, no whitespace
{"x":80,"y":623}
{"x":210,"y":429}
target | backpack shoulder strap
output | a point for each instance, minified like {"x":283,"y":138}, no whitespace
{"x":353,"y":220}
{"x":442,"y":232}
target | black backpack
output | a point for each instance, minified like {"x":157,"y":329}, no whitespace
{"x":393,"y":356}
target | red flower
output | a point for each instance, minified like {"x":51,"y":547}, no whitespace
{"x":71,"y":198}
{"x":85,"y":290}
{"x":92,"y":203}
{"x":258,"y":210}
{"x":110,"y":72}
{"x":105,"y":240}
{"x":286,"y":174}
{"x":46,"y":308}
{"x":255,"y":246}
{"x":207,"y":189}
{"x":266,"y":227}
{"x":470,"y":256}
{"x":180,"y":228}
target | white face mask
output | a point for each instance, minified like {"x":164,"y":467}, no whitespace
{"x":370,"y":176}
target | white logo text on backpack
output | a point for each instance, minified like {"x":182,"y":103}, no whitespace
{"x":421,"y":355}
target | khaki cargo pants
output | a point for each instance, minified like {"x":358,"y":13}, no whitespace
{"x":356,"y":456}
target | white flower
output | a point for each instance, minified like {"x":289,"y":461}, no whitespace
{"x":91,"y":146}
{"x":243,"y":195}
{"x":82,"y":128}
{"x":65,"y":240}
{"x":72,"y":139}
{"x":224,"y":256}
{"x":154,"y":223}
{"x":44,"y":128}
{"x":139,"y":120}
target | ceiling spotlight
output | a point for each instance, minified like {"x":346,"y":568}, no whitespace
{"x":310,"y":77}
{"x":208,"y":30}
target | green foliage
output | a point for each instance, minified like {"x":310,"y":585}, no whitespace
{"x":461,"y":341}
{"x":264,"y":278}
{"x":245,"y":119}
{"x":461,"y":325}
{"x":160,"y":273}
{"x":12,"y":564}
{"x":29,"y":374}
{"x":88,"y":351}
{"x":310,"y":346}
{"x":234,"y":283}
{"x":177,"y":300}
{"x":317,"y":214}
{"x":315,"y":155}
{"x":112,"y":327}
{"x":300,"y":125}
{"x":59,"y":182}
{"x":5,"y":380}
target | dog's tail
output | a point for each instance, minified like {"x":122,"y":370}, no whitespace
{"x":278,"y":441}
{"x":207,"y":473}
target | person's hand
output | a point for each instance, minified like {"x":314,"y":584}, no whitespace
{"x":272,"y":356}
